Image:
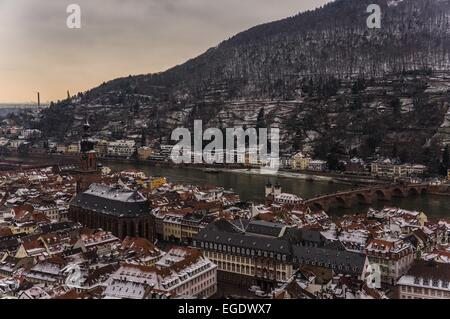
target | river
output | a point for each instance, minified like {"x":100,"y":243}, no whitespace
{"x":251,"y":187}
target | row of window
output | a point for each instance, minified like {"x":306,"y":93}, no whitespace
{"x":241,"y":251}
{"x":428,"y":293}
{"x":241,"y":260}
{"x":210,"y":283}
{"x":433,"y":282}
{"x":250,"y":271}
{"x":328,"y":265}
{"x":188,"y":283}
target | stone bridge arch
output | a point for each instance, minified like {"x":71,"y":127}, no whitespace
{"x":320,"y":205}
{"x":366,"y":196}
{"x":344,"y":201}
{"x":417,"y":190}
{"x":363,"y":198}
{"x":381,"y":195}
{"x":399,"y":192}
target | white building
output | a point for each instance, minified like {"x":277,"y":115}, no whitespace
{"x":394,"y":256}
{"x":121,"y":148}
{"x":425,"y":280}
{"x":317,"y":166}
{"x":182,"y":272}
{"x":289,"y":199}
{"x":31,"y":133}
{"x":392,"y":169}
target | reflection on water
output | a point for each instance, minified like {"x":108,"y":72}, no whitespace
{"x":251,"y":188}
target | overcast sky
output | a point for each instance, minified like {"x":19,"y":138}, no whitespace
{"x":118,"y":37}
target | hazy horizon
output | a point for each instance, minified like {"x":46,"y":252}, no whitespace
{"x":116,"y":40}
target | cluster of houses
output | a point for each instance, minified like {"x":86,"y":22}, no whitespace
{"x":44,"y":255}
{"x":68,"y":261}
{"x":129,"y":236}
{"x":291,"y":253}
{"x":380,"y":168}
{"x":15,"y":138}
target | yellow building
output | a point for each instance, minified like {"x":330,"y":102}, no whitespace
{"x":157,"y":182}
{"x":300,"y":161}
{"x":172,"y":227}
{"x":422,"y":218}
{"x":61,"y":148}
{"x":144,"y":153}
{"x":26,"y":228}
{"x":250,"y":266}
{"x":73,"y":148}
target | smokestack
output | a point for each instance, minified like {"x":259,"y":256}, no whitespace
{"x":39,"y":99}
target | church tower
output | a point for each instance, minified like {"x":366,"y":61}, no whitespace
{"x":88,"y":156}
{"x":277,"y":189}
{"x":87,"y":173}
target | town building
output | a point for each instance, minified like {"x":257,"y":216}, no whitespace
{"x":288,"y":199}
{"x":122,"y":148}
{"x":144,"y":153}
{"x":317,"y":166}
{"x":394,"y":256}
{"x":140,"y":251}
{"x":182,"y":272}
{"x":61,"y":148}
{"x":101,"y":147}
{"x":338,"y":261}
{"x":73,"y":148}
{"x":119,"y":211}
{"x":425,"y":280}
{"x":393,"y":169}
{"x":300,"y":161}
{"x":247,"y":252}
{"x":355,"y":165}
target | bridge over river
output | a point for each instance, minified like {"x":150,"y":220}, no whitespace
{"x":366,"y":195}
